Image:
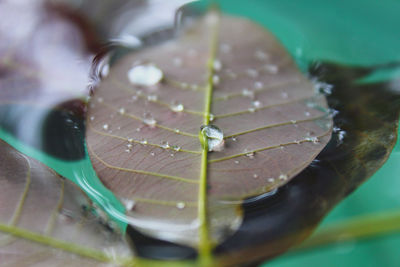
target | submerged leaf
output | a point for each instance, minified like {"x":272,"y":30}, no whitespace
{"x":46,"y":220}
{"x":147,"y":151}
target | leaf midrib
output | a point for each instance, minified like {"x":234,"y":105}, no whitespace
{"x":205,"y":244}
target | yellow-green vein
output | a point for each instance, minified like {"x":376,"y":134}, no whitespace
{"x":205,"y":244}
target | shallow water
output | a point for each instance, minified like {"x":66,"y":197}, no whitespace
{"x":293,"y":26}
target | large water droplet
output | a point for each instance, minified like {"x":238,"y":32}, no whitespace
{"x":217,"y":65}
{"x":145,"y":75}
{"x":106,"y":127}
{"x":213,"y":136}
{"x":180,"y":205}
{"x":165,"y":145}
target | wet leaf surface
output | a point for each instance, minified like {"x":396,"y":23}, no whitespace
{"x":45,"y":220}
{"x":145,"y":117}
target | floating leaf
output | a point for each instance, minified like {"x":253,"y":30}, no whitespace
{"x":46,"y":220}
{"x":274,"y":124}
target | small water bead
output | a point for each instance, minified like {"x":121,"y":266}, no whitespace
{"x":177,"y":61}
{"x":212,"y":117}
{"x":172,"y":155}
{"x":144,"y":142}
{"x":130,"y":140}
{"x":284,"y":95}
{"x":308,"y":114}
{"x":134,"y":98}
{"x":177,"y":107}
{"x":214,"y":137}
{"x":256,"y":104}
{"x":255,"y":175}
{"x":271,"y":180}
{"x":250,"y":155}
{"x":152,"y":98}
{"x":106,"y":127}
{"x":92,"y":118}
{"x":165,"y":145}
{"x":176,"y":148}
{"x":248,"y":93}
{"x":127,"y":150}
{"x":129,"y":204}
{"x":215,"y":79}
{"x":252,"y":73}
{"x":152,"y":154}
{"x":234,"y":139}
{"x":283,"y":177}
{"x":251,"y":110}
{"x":149,"y":120}
{"x":180,"y":205}
{"x":194,"y":87}
{"x":138,"y":129}
{"x":145,"y":75}
{"x":236,"y":162}
{"x":121,"y":111}
{"x":177,"y":130}
{"x":184,"y":85}
{"x":293,"y":121}
{"x":129,"y":146}
{"x":217,"y":65}
{"x":258,"y":85}
{"x":273,"y":69}
{"x":100,"y":100}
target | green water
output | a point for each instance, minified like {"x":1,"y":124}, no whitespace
{"x":361,"y":33}
{"x":351,"y":32}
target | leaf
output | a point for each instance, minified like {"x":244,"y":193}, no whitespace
{"x":143,"y":140}
{"x":46,"y":220}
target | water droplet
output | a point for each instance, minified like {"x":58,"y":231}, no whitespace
{"x":172,"y":155}
{"x":100,"y":100}
{"x":308,"y":114}
{"x":177,"y":107}
{"x":256,"y":104}
{"x":129,"y":146}
{"x":293,"y":121}
{"x":234,"y":139}
{"x":130,"y":140}
{"x":212,"y":117}
{"x":284,"y":95}
{"x":145,"y":75}
{"x":214,"y":137}
{"x":152,"y":154}
{"x":138,"y":129}
{"x":127,"y":150}
{"x":283,"y":177}
{"x":106,"y":127}
{"x":177,"y":61}
{"x":180,"y":205}
{"x":225,"y":48}
{"x":177,"y":130}
{"x":148,"y":119}
{"x":271,"y":180}
{"x":215,"y":79}
{"x":252,"y":110}
{"x":273,"y":69}
{"x":217,"y":65}
{"x":297,"y":142}
{"x":248,"y":93}
{"x":121,"y":111}
{"x":236,"y":162}
{"x":250,"y":154}
{"x":176,"y":148}
{"x":92,"y":118}
{"x":144,"y":142}
{"x":129,"y":204}
{"x":315,"y":140}
{"x":255,"y":175}
{"x":261,"y":55}
{"x":134,"y":98}
{"x":258,"y":85}
{"x":152,"y":98}
{"x":184,"y":85}
{"x":194,"y":87}
{"x":165,"y":145}
{"x":252,"y":73}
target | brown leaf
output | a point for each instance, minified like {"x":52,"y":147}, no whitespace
{"x":143,"y":140}
{"x":37,"y":207}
